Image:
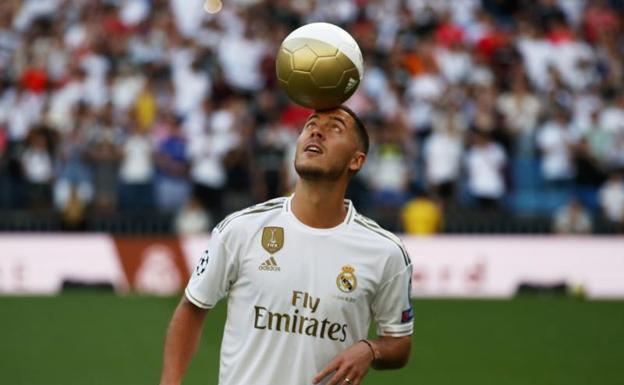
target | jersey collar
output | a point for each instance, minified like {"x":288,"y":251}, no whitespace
{"x":332,"y":230}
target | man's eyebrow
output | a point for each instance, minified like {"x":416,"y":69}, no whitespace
{"x":315,"y":116}
{"x":340,"y":119}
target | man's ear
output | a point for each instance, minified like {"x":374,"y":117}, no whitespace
{"x":357,"y":161}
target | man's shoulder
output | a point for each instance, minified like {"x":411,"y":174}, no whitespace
{"x":373,"y":231}
{"x":237,"y":218}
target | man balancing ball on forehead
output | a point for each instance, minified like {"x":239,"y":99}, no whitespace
{"x":304,"y":276}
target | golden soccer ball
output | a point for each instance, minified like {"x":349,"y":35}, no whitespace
{"x":319,"y":66}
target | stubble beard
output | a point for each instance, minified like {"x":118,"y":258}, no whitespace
{"x":315,"y":173}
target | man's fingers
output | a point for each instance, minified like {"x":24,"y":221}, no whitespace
{"x":348,"y":368}
{"x":339,"y":378}
{"x":332,"y":366}
{"x":354,"y":377}
{"x":345,"y":379}
{"x":356,"y":380}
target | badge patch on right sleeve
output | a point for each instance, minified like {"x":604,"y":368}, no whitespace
{"x":407,"y":315}
{"x":203,"y":262}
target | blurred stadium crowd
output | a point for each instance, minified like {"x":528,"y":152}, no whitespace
{"x":512,"y":109}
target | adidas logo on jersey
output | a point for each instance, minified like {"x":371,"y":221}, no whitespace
{"x":269,"y":265}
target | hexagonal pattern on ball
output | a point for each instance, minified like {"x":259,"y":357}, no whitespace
{"x":321,"y":48}
{"x":345,"y":62}
{"x":303,"y":59}
{"x":317,"y":74}
{"x":302,"y":81}
{"x":328,"y":71}
{"x":284,"y":64}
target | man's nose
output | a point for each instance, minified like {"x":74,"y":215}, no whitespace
{"x":317,"y":131}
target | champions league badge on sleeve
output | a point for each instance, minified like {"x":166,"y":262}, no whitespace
{"x":346,"y":280}
{"x":203,"y":262}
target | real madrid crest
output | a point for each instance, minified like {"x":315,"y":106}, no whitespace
{"x":272,"y":239}
{"x":346,"y":280}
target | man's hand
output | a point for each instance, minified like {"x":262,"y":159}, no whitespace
{"x":350,"y":366}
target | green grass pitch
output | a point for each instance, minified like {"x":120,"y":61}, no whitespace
{"x":92,"y":338}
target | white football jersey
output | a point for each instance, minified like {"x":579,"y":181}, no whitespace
{"x":297,"y":295}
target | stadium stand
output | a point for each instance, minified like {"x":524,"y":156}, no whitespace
{"x":115,"y":113}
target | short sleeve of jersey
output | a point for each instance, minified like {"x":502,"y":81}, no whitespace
{"x":215,"y":271}
{"x":392,"y":307}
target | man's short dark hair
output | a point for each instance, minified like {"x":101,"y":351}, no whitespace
{"x":359,"y":125}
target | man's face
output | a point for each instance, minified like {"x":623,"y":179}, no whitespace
{"x":327,"y":148}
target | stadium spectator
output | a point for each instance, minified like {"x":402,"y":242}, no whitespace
{"x":67,"y":102}
{"x":611,"y":197}
{"x":555,"y":142}
{"x":452,"y":56}
{"x":272,"y":148}
{"x":572,"y":218}
{"x":484,"y":118}
{"x":38,"y":168}
{"x":136,"y":172}
{"x":244,"y":75}
{"x":534,"y":48}
{"x":443,"y":153}
{"x":425,"y":88}
{"x":612,"y":117}
{"x":207,"y":152}
{"x":172,"y":185}
{"x":73,"y":214}
{"x":126,"y":85}
{"x":192,"y":219}
{"x":104,"y":139}
{"x":589,"y":173}
{"x":421,"y":215}
{"x":74,"y":175}
{"x":145,"y":106}
{"x":388,"y":174}
{"x":187,"y":17}
{"x":4,"y":175}
{"x":191,"y":83}
{"x":243,"y":187}
{"x":599,"y":20}
{"x":616,"y":159}
{"x":20,"y":110}
{"x":600,"y":141}
{"x":485,"y":163}
{"x":520,"y":109}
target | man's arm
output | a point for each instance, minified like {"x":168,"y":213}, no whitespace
{"x":181,"y":341}
{"x":354,"y":362}
{"x":391,"y":352}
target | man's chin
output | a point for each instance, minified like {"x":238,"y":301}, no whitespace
{"x":310,"y":172}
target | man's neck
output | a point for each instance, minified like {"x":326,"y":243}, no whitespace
{"x":319,"y":204}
